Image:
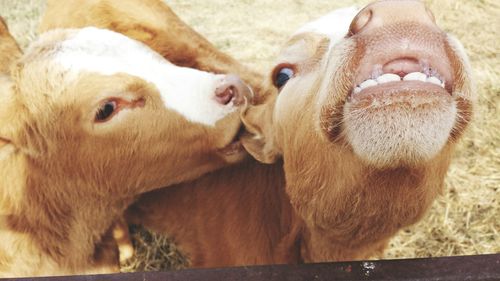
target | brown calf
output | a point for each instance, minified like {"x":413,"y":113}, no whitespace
{"x":366,"y":120}
{"x":83,"y":131}
{"x":153,"y":23}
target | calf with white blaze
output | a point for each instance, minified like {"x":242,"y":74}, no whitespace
{"x":89,"y":119}
{"x":153,"y":23}
{"x":370,"y":106}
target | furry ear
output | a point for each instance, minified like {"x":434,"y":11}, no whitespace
{"x":3,"y":142}
{"x":9,"y":49}
{"x":258,"y":139}
{"x":3,"y":27}
{"x":10,"y":52}
{"x":261,"y":150}
{"x":8,"y":112}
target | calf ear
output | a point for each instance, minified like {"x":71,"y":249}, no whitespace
{"x":3,"y":27}
{"x":3,"y":142}
{"x":6,"y":110}
{"x":9,"y":49}
{"x":258,"y":139}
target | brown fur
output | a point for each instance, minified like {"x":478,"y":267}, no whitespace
{"x":238,"y":216}
{"x":334,"y":205}
{"x":66,"y":180}
{"x":153,"y":23}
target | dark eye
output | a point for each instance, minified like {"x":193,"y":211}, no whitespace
{"x":282,"y":76}
{"x":106,"y":111}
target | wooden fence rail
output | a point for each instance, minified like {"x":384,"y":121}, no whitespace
{"x":483,"y":267}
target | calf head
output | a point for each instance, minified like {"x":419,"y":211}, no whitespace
{"x":94,"y":109}
{"x":370,"y":104}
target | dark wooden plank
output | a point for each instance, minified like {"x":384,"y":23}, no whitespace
{"x":483,"y":267}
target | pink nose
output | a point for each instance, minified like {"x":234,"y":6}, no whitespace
{"x":232,"y":89}
{"x":383,"y":13}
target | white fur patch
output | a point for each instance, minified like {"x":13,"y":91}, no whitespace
{"x":389,"y":138}
{"x":335,"y":25}
{"x":188,"y":91}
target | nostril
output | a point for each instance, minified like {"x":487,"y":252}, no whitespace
{"x":360,"y":21}
{"x":225,"y":94}
{"x":232,"y":89}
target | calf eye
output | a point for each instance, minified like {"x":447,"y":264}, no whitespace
{"x":282,"y":76}
{"x":106,"y":111}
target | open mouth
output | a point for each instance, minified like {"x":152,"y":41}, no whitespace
{"x":403,"y":73}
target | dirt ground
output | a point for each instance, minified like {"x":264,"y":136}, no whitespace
{"x":466,"y":218}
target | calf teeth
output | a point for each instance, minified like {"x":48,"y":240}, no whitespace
{"x":368,"y":83}
{"x":415,"y":76}
{"x":389,"y":77}
{"x":434,"y":80}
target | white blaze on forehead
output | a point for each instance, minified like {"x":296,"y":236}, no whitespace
{"x":188,"y":91}
{"x":335,"y":25}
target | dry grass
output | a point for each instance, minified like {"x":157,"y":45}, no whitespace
{"x":466,"y":219}
{"x":153,"y":252}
